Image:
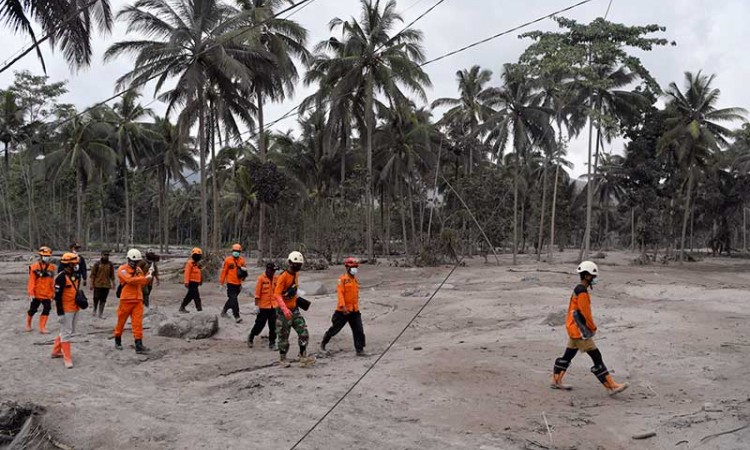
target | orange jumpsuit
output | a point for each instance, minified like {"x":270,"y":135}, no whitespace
{"x":131,"y":300}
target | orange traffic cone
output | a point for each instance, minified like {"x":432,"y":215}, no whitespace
{"x":57,"y":348}
{"x":43,"y":324}
{"x":28,"y":322}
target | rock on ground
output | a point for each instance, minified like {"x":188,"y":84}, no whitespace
{"x":313,"y":288}
{"x":196,"y":325}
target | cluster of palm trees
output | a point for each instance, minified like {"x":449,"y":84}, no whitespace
{"x":368,"y":169}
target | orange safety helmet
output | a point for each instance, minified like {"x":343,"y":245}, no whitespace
{"x":45,"y":251}
{"x":196,"y":251}
{"x":70,"y":258}
{"x":351,"y":262}
{"x":236,"y":248}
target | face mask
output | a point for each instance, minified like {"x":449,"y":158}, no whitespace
{"x":353,"y":271}
{"x":75,"y":252}
{"x":76,"y":267}
{"x":132,"y":263}
{"x":236,"y":254}
{"x":196,"y":258}
{"x":595,"y":281}
{"x":45,"y":258}
{"x":295,"y":267}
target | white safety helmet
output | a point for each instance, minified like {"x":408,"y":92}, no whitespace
{"x":296,"y":258}
{"x":589,"y":267}
{"x":134,"y":254}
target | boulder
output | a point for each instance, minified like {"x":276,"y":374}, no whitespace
{"x":196,"y":325}
{"x":314,"y":288}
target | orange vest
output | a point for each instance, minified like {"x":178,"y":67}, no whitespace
{"x":348,"y":290}
{"x":284,"y":282}
{"x":41,"y":284}
{"x":229,"y":271}
{"x":580,"y":301}
{"x":132,"y":281}
{"x":193,"y":272}
{"x":67,"y":291}
{"x":264,"y":289}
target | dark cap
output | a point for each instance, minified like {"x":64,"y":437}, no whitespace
{"x":75,"y":245}
{"x":272,"y":265}
{"x":106,"y":252}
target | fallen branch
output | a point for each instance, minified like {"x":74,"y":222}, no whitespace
{"x":711,"y":436}
{"x":650,"y":434}
{"x":540,"y":270}
{"x":536,"y":443}
{"x":551,"y":444}
{"x":247,"y":369}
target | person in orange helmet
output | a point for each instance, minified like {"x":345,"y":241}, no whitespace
{"x":264,"y":288}
{"x":581,"y":329}
{"x":41,"y":289}
{"x":67,"y":285}
{"x":132,"y":280}
{"x":288,"y":314}
{"x":347,"y":308}
{"x":233,"y":273}
{"x":193,"y":279}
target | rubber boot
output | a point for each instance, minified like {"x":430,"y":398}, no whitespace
{"x":28,"y":322}
{"x":250,"y":339}
{"x":140,"y":348}
{"x":361,"y":352}
{"x":614,"y":388}
{"x":556,"y":382}
{"x":305,"y":360}
{"x":57,"y":348}
{"x":43,"y":324}
{"x":67,"y":355}
{"x":323,"y":347}
{"x":101,"y":310}
{"x":183,"y":310}
{"x":118,"y":342}
{"x":283,"y":361}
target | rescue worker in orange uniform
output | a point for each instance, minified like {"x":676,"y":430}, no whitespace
{"x":264,"y":289}
{"x":67,"y":285}
{"x":192,"y":279}
{"x":288,"y":313}
{"x":233,"y":273}
{"x":41,"y":289}
{"x":132,"y":279}
{"x":581,"y":330}
{"x":347,"y":308}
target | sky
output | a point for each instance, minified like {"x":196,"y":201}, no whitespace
{"x":710,"y":35}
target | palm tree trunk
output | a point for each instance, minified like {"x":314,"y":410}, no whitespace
{"x":632,"y":229}
{"x":370,"y":125}
{"x":126,"y":188}
{"x":162,"y":207}
{"x":166,"y":213}
{"x":403,"y":217}
{"x":515,"y":214}
{"x":434,"y":190}
{"x":686,"y":215}
{"x":263,"y":158}
{"x":552,"y":218}
{"x":79,"y":206}
{"x":216,"y":228}
{"x":541,"y":214}
{"x":414,"y":239}
{"x":744,"y":227}
{"x":202,"y":145}
{"x":6,"y":202}
{"x":586,"y":244}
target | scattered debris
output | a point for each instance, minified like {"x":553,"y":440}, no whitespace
{"x":711,"y":436}
{"x":196,"y":325}
{"x":641,"y":436}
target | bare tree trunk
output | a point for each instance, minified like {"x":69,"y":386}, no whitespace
{"x":515,"y":213}
{"x":414,"y":239}
{"x":370,"y":124}
{"x":541,"y":214}
{"x":403,"y":216}
{"x":435,"y":190}
{"x":586,"y":244}
{"x":202,"y":145}
{"x":6,"y":195}
{"x":744,"y":227}
{"x":79,"y":206}
{"x":632,"y":229}
{"x":162,"y":207}
{"x":263,"y":158}
{"x":552,"y":218}
{"x":686,"y":215}
{"x":216,"y":228}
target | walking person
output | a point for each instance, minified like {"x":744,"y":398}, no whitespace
{"x":264,"y":289}
{"x":288,"y":314}
{"x":82,"y":272}
{"x":67,"y":285}
{"x":102,"y":280}
{"x":41,"y":289}
{"x":581,"y":330}
{"x":132,"y":280}
{"x":146,"y":264}
{"x":347,"y":309}
{"x":233,"y":273}
{"x":193,"y":278}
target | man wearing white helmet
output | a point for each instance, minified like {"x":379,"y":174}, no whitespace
{"x":288,"y":314}
{"x":581,"y":330}
{"x":132,"y":280}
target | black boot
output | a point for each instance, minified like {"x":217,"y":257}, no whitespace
{"x":118,"y":342}
{"x":140,"y":348}
{"x":250,"y":340}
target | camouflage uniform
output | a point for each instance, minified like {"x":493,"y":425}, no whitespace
{"x":284,"y":328}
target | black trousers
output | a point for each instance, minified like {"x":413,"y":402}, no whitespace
{"x":34,"y":306}
{"x":354,"y":319}
{"x":192,"y":295}
{"x":100,"y":297}
{"x":233,"y":292}
{"x":146,"y":294}
{"x":265,"y":315}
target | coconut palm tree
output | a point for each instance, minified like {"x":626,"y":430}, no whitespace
{"x":68,"y":25}
{"x":470,"y":109}
{"x":694,"y":131}
{"x":518,"y":119}
{"x":373,"y":61}
{"x":85,"y":148}
{"x":202,"y":43}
